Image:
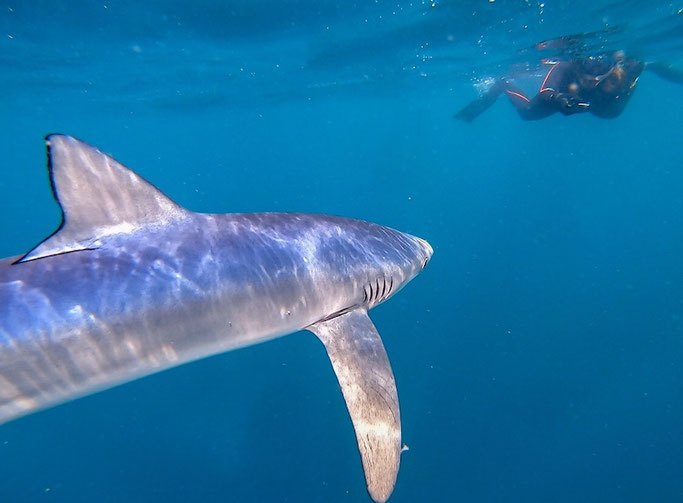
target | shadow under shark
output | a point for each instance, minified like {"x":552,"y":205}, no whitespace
{"x":131,"y":283}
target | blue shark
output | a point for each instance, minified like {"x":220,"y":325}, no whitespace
{"x":132,"y":283}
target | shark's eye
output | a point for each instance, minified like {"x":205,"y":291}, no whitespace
{"x":424,"y":264}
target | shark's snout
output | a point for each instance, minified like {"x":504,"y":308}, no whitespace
{"x":429,"y":251}
{"x":425,"y":250}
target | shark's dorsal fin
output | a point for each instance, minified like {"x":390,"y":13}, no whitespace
{"x":367,"y":382}
{"x":98,"y":197}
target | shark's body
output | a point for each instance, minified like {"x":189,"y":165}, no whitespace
{"x":132,"y":284}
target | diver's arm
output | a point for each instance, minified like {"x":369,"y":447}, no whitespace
{"x":565,"y":103}
{"x":554,"y":90}
{"x":665,"y":71}
{"x":570,"y":104}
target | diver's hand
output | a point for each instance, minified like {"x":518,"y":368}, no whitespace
{"x":571,"y":104}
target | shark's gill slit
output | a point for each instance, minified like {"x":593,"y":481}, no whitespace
{"x":373,"y":294}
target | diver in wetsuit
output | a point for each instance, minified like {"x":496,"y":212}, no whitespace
{"x":598,"y":85}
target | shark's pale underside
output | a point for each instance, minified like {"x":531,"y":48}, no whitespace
{"x":132,"y":283}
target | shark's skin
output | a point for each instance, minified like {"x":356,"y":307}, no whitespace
{"x":132,"y":284}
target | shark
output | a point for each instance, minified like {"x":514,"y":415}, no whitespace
{"x":131,"y":283}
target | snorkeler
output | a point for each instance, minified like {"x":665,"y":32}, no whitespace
{"x":598,"y":85}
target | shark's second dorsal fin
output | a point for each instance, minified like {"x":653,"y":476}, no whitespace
{"x":99,"y":197}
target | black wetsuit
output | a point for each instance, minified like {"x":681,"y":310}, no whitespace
{"x":596,"y":85}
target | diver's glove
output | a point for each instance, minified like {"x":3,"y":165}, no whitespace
{"x":570,"y":103}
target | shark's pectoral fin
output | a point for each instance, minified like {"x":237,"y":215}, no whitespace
{"x":367,"y":382}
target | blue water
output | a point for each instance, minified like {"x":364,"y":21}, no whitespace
{"x":539,"y":357}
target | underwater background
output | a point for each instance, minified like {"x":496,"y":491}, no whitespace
{"x":539,"y":357}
